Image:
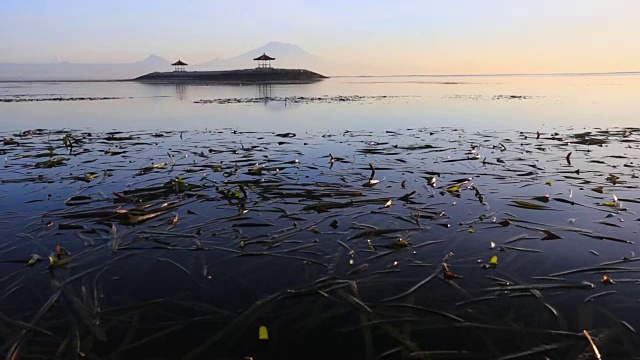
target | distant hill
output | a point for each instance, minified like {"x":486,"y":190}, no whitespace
{"x":288,"y":56}
{"x":82,"y":71}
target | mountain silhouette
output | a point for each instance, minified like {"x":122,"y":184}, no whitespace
{"x":82,"y":71}
{"x":287,"y":56}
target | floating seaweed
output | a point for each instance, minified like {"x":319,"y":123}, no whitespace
{"x":185,"y":244}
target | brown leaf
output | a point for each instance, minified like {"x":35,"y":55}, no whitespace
{"x":450,"y":276}
{"x":550,"y":235}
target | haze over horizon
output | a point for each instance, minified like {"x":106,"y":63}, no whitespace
{"x":403,"y":37}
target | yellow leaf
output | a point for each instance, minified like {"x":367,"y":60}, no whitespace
{"x":494,"y":261}
{"x":454,"y":188}
{"x":263,"y":333}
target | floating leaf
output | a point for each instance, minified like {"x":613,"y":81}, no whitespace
{"x":550,"y":235}
{"x":371,"y":183}
{"x":255,"y":170}
{"x":407,"y":197}
{"x":263,"y":333}
{"x":598,"y":189}
{"x":454,"y":188}
{"x":61,"y":251}
{"x":494,"y":261}
{"x":34,"y":259}
{"x":450,"y":276}
{"x":399,"y":244}
{"x":544,"y":198}
{"x":54,"y":262}
{"x":78,"y":200}
{"x":529,"y":205}
{"x":548,"y":183}
{"x":53,"y":162}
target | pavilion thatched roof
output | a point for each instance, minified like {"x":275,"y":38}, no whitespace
{"x":264,"y":57}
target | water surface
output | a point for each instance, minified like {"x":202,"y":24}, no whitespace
{"x":410,"y":217}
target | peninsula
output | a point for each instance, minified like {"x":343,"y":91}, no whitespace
{"x":257,"y":75}
{"x":264,"y":73}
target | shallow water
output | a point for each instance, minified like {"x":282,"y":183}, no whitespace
{"x":466,"y":102}
{"x":326,"y":220}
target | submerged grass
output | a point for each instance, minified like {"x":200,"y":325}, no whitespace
{"x":184,"y":244}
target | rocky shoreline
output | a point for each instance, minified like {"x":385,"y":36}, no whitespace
{"x":268,"y":75}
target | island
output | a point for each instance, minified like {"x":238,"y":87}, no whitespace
{"x":257,"y":75}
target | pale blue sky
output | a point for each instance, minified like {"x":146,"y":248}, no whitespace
{"x":439,"y":36}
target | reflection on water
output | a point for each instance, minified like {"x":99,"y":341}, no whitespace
{"x":474,"y":103}
{"x":181,"y":91}
{"x":264,"y":91}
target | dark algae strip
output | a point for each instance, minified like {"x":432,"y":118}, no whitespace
{"x":430,"y":243}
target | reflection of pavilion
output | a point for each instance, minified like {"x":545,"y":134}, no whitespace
{"x":264,"y":92}
{"x":181,"y":91}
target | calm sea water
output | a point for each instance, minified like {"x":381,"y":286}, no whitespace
{"x":477,"y":103}
{"x":184,"y":236}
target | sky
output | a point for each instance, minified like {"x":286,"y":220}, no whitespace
{"x":402,"y":36}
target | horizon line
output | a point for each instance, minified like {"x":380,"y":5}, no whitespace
{"x":631,"y":72}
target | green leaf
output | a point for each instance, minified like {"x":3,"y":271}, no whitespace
{"x":529,"y":205}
